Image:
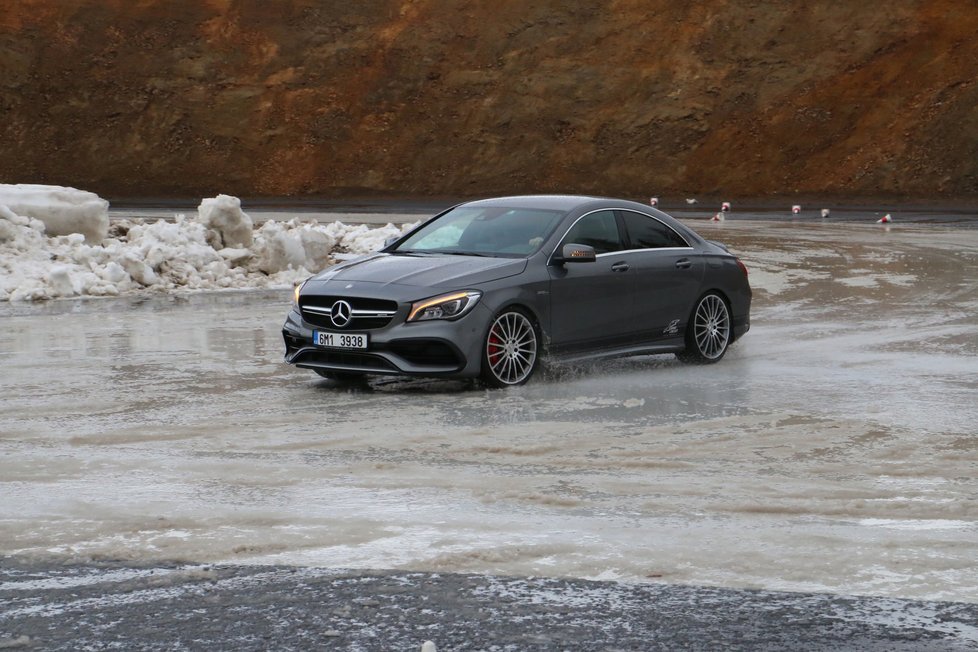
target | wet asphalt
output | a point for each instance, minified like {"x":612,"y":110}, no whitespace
{"x":107,"y":605}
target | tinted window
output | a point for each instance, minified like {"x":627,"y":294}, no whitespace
{"x":484,"y":230}
{"x":645,"y":232}
{"x":598,"y":230}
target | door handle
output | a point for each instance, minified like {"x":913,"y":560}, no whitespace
{"x":620,"y":267}
{"x":684,"y":263}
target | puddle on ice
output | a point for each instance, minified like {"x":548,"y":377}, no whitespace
{"x":832,"y":450}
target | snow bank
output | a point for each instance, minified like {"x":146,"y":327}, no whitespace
{"x":223,"y":214}
{"x":213,"y":251}
{"x":62,"y":210}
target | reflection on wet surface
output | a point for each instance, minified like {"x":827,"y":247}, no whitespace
{"x":833,"y":449}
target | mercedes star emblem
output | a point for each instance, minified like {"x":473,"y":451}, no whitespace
{"x":340,"y":313}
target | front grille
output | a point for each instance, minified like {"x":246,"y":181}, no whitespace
{"x":367,"y":314}
{"x":364,"y":361}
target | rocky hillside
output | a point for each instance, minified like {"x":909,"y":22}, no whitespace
{"x":740,"y":98}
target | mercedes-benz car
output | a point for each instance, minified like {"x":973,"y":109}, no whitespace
{"x":487,"y":288}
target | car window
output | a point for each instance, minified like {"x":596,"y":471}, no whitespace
{"x":598,"y":230}
{"x":445,"y":233}
{"x":487,"y":231}
{"x":646,"y":232}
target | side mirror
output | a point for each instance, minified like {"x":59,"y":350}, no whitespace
{"x":575,"y":253}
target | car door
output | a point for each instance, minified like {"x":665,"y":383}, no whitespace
{"x":667,"y":274}
{"x":590,"y":302}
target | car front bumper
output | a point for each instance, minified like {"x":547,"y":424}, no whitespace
{"x":429,"y":348}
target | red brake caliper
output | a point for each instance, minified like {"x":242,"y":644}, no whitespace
{"x":494,"y":350}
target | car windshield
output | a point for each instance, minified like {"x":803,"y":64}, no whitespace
{"x":484,"y":231}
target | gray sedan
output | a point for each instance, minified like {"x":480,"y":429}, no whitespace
{"x":486,"y":288}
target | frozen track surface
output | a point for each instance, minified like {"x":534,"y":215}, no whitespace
{"x":157,"y":607}
{"x":833,"y":450}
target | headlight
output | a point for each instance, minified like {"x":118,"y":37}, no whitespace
{"x":295,"y":292}
{"x":445,"y":306}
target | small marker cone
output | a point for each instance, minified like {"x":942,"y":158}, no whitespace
{"x":886,"y":219}
{"x":725,"y":206}
{"x":717,"y":218}
{"x":691,"y":200}
{"x":796,"y":209}
{"x":825,"y":212}
{"x":653,"y":201}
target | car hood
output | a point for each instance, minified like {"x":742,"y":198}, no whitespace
{"x":448,"y":272}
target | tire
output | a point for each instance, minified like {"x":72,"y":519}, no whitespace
{"x":708,"y":331}
{"x":340,"y":376}
{"x":511,"y":349}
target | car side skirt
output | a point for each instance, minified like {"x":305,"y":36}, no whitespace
{"x":669,"y":346}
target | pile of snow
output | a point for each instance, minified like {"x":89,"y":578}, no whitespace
{"x":63,"y":211}
{"x":223,"y":214}
{"x":219,"y":249}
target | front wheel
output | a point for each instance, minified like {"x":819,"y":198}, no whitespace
{"x":708,"y":331}
{"x":510,"y":352}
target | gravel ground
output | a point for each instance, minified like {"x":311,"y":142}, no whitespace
{"x":108,"y":605}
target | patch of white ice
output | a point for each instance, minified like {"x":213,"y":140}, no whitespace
{"x":859,"y":281}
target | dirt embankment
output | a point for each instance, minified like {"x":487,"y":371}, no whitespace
{"x":454,"y":97}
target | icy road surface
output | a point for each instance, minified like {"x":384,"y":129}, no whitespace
{"x":833,"y":450}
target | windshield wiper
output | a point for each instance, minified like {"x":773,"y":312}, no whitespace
{"x":469,"y":253}
{"x":410,"y":252}
{"x":438,"y":252}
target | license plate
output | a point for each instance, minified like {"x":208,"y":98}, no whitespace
{"x":340,"y":340}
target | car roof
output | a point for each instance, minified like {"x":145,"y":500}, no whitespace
{"x":552,"y":202}
{"x":562,"y":203}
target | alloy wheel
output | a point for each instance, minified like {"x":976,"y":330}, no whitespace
{"x":511,"y":350}
{"x":711,"y":327}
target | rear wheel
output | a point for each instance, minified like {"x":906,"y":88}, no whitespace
{"x":510,"y":352}
{"x":708,"y":331}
